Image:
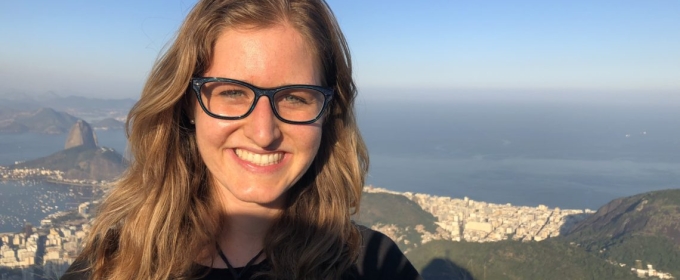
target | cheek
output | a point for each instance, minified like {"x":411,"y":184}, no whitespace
{"x":315,"y":148}
{"x":211,"y":133}
{"x":313,"y":141}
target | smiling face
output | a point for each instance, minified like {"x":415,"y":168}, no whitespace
{"x":255,"y":160}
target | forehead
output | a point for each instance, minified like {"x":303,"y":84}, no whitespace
{"x":264,"y":56}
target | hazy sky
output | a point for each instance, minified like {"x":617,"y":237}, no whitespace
{"x":106,"y":48}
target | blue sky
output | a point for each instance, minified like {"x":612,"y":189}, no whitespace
{"x":106,"y":48}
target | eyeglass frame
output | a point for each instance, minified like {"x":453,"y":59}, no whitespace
{"x":198,"y":82}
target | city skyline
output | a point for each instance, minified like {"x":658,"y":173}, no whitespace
{"x":106,"y":49}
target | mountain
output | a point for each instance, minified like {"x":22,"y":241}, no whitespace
{"x":82,"y":159}
{"x":549,"y":259}
{"x":643,"y":227}
{"x":43,"y":120}
{"x":82,"y":163}
{"x":81,"y":134}
{"x":18,"y":111}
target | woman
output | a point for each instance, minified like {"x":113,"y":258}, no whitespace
{"x":247,"y":158}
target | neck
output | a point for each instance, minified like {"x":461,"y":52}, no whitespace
{"x":243,"y":237}
{"x":245,"y":228}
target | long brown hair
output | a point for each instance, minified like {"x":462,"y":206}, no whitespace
{"x":160,"y":216}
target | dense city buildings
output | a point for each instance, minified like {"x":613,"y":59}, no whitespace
{"x":477,"y":221}
{"x":52,"y":246}
{"x":54,"y":176}
{"x":651,"y":272}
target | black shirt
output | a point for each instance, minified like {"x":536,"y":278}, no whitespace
{"x":379,"y":258}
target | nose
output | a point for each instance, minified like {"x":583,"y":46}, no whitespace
{"x":262,"y":126}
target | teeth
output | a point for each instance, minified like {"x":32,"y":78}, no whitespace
{"x":259,"y":159}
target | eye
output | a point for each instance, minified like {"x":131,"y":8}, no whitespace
{"x":232,"y":93}
{"x":299,"y":97}
{"x":295,"y":99}
{"x":227,"y":91}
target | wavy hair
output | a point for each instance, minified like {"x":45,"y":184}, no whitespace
{"x":160,"y":216}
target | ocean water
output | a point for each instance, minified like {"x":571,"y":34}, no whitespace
{"x":32,"y":201}
{"x":561,"y":155}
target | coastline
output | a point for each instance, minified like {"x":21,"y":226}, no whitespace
{"x":42,"y":197}
{"x":50,"y":176}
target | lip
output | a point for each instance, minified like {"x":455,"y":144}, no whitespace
{"x":258,"y":168}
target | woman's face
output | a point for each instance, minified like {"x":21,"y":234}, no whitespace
{"x":255,"y":160}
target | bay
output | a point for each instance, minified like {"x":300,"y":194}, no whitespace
{"x":31,"y":201}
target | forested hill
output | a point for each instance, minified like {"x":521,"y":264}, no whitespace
{"x":396,"y":216}
{"x":648,"y":214}
{"x":641,"y":227}
{"x":549,"y":259}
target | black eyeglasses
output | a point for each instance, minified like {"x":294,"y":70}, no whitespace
{"x":230,"y":99}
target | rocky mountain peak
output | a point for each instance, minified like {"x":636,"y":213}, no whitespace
{"x":81,"y":134}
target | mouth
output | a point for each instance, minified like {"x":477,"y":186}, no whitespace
{"x":259,"y":159}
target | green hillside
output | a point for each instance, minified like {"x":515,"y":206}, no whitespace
{"x":643,"y":227}
{"x":548,"y":259}
{"x":392,"y":209}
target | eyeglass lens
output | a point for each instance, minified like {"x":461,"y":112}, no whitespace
{"x":234,"y":100}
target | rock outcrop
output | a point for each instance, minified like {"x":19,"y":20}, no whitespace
{"x":81,"y":134}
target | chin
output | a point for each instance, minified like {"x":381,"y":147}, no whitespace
{"x":264,"y":197}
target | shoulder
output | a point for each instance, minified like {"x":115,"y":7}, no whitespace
{"x":381,"y":258}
